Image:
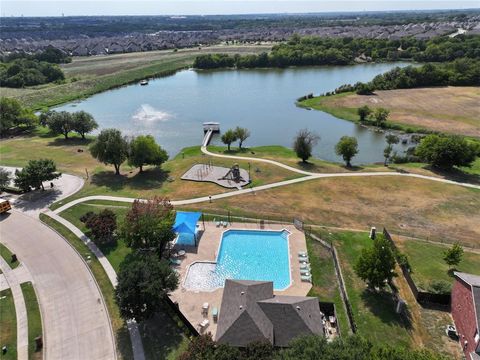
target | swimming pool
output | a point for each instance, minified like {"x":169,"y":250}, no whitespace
{"x":244,"y":255}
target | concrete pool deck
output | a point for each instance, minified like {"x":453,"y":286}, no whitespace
{"x":190,"y":302}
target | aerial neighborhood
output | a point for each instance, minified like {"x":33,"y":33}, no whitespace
{"x":225,"y":180}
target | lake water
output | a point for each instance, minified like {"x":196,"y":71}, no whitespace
{"x":173,"y":109}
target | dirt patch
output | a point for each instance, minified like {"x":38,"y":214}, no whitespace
{"x":445,"y":109}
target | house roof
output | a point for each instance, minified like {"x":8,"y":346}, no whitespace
{"x":250,"y":312}
{"x":292,"y":316}
{"x":470,"y":279}
{"x":474,"y":282}
{"x":241,"y":319}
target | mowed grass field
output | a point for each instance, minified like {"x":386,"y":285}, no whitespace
{"x":427,"y":262}
{"x":8,"y":325}
{"x":409,"y":206}
{"x":443,"y":109}
{"x":86,"y":76}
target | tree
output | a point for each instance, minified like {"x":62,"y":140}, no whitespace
{"x":241,"y":134}
{"x":60,"y":122}
{"x":83,"y":123}
{"x":35,"y":173}
{"x":453,"y":256}
{"x":4,"y":178}
{"x":102,"y":225}
{"x":228,"y":138}
{"x":387,"y":152}
{"x":304,"y":143}
{"x":381,"y":115}
{"x":347,"y":148}
{"x":148,"y":225}
{"x":145,"y":151}
{"x":364,"y":112}
{"x":110,"y":147}
{"x":446,"y":151}
{"x":376,"y":264}
{"x":13,"y":115}
{"x":144,"y":280}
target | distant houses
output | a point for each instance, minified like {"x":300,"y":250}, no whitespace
{"x":466,"y":313}
{"x":251,"y":312}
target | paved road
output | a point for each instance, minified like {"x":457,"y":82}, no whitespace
{"x":76,"y":323}
{"x":34,"y":202}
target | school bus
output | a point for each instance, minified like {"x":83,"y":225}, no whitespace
{"x":4,"y":206}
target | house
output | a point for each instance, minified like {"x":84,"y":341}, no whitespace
{"x":251,"y":312}
{"x":466,"y":312}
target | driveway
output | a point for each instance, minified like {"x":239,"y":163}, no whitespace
{"x":76,"y":323}
{"x":34,"y":202}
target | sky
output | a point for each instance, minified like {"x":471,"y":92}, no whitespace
{"x":203,"y":7}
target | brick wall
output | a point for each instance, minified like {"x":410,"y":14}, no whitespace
{"x":463,"y":314}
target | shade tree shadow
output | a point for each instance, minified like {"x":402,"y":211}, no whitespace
{"x":382,"y":305}
{"x":72,"y":141}
{"x":147,"y":180}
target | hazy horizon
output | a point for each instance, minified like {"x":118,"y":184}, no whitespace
{"x":30,"y":8}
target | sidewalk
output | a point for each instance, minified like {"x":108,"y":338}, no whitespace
{"x":20,"y":308}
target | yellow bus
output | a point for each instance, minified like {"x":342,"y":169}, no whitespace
{"x":4,"y":206}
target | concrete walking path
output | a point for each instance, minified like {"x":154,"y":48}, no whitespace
{"x":20,"y":309}
{"x":138,"y":352}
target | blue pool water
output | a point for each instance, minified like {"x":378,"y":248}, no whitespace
{"x":245,"y":255}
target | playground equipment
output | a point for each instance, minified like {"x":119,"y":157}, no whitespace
{"x":234,"y":174}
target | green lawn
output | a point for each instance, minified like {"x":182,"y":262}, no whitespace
{"x":427,"y":263}
{"x":8,"y":325}
{"x":34,"y":320}
{"x":7,"y":256}
{"x":325,"y":285}
{"x":114,"y":253}
{"x":374,"y":313}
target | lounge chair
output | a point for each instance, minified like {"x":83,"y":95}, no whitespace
{"x":305,"y":266}
{"x":305,"y":272}
{"x":303,"y":256}
{"x":303,"y":260}
{"x":205,"y":307}
{"x":306,"y":278}
{"x":215,"y":314}
{"x":302,"y":253}
{"x":217,"y":223}
{"x":224,"y":224}
{"x":204,"y":324}
{"x":175,"y":262}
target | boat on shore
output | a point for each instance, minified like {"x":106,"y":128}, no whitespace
{"x":144,"y":82}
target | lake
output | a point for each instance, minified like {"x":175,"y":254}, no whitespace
{"x":172,"y":109}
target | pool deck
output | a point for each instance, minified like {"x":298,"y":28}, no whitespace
{"x":190,"y":302}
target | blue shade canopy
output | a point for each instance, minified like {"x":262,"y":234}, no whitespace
{"x":186,"y":222}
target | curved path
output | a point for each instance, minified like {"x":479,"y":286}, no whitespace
{"x":251,"y":190}
{"x":76,"y":322}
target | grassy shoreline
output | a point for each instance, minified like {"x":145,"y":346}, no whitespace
{"x":87,"y":76}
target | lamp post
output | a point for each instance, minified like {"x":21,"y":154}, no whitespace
{"x":249,"y":176}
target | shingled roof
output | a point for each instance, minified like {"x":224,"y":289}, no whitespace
{"x":250,"y":312}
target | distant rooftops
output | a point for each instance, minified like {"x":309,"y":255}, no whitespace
{"x":251,"y":312}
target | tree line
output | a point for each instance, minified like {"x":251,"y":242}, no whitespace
{"x":461,"y":72}
{"x":308,"y":51}
{"x":305,"y":348}
{"x":22,"y":69}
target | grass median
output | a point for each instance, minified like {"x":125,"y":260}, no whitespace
{"x":34,"y":320}
{"x":6,"y":254}
{"x":8,"y":322}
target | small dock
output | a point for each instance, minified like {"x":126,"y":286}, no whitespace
{"x":208,"y":129}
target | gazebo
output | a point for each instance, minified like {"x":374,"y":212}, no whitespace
{"x":186,"y":227}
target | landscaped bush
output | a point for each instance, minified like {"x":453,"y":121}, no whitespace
{"x":439,"y":287}
{"x":102,"y":226}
